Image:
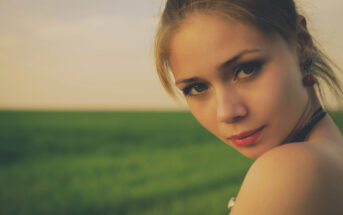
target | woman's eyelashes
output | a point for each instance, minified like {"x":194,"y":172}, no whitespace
{"x":194,"y":89}
{"x":247,"y":70}
{"x":242,"y":72}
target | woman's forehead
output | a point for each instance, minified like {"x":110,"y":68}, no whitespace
{"x":211,"y":40}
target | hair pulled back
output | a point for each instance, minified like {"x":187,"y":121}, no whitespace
{"x":270,"y":16}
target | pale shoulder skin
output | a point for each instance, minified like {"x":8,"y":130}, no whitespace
{"x":297,"y":178}
{"x":245,"y":80}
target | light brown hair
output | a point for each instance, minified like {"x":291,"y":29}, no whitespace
{"x":270,"y":16}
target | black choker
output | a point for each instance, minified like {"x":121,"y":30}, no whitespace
{"x":302,"y":133}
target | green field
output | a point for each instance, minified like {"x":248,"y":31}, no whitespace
{"x":115,"y":163}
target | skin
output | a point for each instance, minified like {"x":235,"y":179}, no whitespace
{"x":261,"y":87}
{"x":275,"y":97}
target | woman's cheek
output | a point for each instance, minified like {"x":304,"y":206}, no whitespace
{"x":205,"y":113}
{"x":273,"y":89}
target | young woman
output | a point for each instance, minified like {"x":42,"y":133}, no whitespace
{"x":250,"y":73}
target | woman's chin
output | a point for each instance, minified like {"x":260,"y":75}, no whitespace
{"x":256,"y":150}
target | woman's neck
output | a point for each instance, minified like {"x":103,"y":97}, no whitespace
{"x":326,"y":129}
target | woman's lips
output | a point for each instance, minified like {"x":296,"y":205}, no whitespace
{"x":247,"y":137}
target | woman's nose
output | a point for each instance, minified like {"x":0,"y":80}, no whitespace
{"x":230,"y":107}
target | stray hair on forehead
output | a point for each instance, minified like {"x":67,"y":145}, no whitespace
{"x":270,"y":16}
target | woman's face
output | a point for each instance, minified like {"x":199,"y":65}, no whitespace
{"x":242,"y":85}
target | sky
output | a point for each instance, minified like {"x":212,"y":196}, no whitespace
{"x":98,"y":55}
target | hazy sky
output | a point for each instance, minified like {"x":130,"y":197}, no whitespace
{"x":83,"y":54}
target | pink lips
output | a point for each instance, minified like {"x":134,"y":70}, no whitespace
{"x":247,"y":137}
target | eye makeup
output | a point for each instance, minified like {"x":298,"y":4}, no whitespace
{"x":243,"y":71}
{"x":248,"y":70}
{"x":194,"y":89}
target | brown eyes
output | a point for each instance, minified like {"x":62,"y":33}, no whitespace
{"x":194,"y":89}
{"x":242,"y":72}
{"x":247,"y":70}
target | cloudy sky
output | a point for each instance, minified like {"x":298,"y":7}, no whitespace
{"x":87,"y":54}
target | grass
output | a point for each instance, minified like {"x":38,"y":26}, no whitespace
{"x":121,"y":163}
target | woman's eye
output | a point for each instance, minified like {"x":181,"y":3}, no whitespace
{"x":247,"y":70}
{"x":194,"y":89}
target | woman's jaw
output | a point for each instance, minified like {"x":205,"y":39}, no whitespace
{"x":242,"y":85}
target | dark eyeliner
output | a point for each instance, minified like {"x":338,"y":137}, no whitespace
{"x":255,"y":65}
{"x":187,"y":89}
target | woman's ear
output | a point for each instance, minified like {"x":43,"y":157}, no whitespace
{"x":304,"y":40}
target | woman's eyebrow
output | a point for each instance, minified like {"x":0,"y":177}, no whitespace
{"x":222,"y":66}
{"x":188,"y":80}
{"x":236,"y":58}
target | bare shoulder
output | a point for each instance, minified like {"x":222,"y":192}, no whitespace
{"x":285,"y":180}
{"x":289,"y":157}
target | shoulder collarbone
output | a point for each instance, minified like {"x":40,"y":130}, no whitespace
{"x":284,"y":180}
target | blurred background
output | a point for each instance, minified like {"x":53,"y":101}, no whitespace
{"x":85,"y":126}
{"x":98,"y":55}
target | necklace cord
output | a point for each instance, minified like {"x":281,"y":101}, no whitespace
{"x":300,"y":135}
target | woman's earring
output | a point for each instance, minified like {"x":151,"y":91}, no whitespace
{"x":309,"y":79}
